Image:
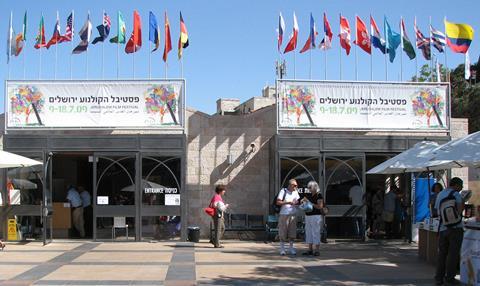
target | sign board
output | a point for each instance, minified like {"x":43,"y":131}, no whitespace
{"x":172,"y":200}
{"x":12,"y":230}
{"x":95,"y":104}
{"x":102,"y":200}
{"x":362,"y":105}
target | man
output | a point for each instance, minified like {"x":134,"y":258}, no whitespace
{"x":288,"y":199}
{"x":450,"y":238}
{"x":77,"y":210}
{"x":87,"y":210}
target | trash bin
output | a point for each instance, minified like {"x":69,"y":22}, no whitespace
{"x":194,"y":233}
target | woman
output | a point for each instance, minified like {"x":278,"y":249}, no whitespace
{"x":436,"y":189}
{"x":313,"y":219}
{"x":218,"y":220}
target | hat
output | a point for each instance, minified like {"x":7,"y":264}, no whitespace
{"x":456,"y":181}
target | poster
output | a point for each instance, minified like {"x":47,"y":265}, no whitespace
{"x":95,"y":104}
{"x":357,"y":105}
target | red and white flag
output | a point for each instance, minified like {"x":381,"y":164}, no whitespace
{"x":67,"y":37}
{"x":327,"y":40}
{"x":345,"y":34}
{"x":362,"y":38}
{"x":292,"y":43}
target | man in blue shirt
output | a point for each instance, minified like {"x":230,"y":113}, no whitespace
{"x":76,"y":205}
{"x":450,"y":238}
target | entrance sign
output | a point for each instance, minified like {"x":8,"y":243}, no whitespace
{"x":172,"y":200}
{"x":102,"y":200}
{"x":363,"y":105}
{"x":95,"y":104}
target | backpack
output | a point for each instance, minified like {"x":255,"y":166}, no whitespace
{"x":276,"y":208}
{"x":448,"y":211}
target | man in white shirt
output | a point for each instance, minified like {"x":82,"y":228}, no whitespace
{"x":288,"y":199}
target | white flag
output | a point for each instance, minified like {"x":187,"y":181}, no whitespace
{"x":467,"y":66}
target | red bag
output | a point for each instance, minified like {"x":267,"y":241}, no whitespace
{"x":209,"y":211}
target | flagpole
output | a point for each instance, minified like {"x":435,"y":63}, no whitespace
{"x":40,"y":48}
{"x":86,"y":57}
{"x":24,"y":42}
{"x":340,"y":49}
{"x":416,"y":68}
{"x":118,"y":44}
{"x":416,"y":61}
{"x":371,"y":49}
{"x":325,"y":58}
{"x":401,"y":52}
{"x":356,"y":47}
{"x":294,"y":65}
{"x":71,"y":44}
{"x":310,"y":52}
{"x":103,"y":48}
{"x":9,"y":46}
{"x":149,"y":59}
{"x":181,"y":65}
{"x":56,"y":47}
{"x":386,"y":48}
{"x":431,"y":50}
{"x":447,"y":72}
{"x":325,"y":45}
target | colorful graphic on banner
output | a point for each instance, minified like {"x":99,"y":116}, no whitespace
{"x":362,"y":105}
{"x":95,"y":104}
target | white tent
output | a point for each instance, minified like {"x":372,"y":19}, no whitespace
{"x":462,"y":152}
{"x":10,"y":160}
{"x":414,"y":159}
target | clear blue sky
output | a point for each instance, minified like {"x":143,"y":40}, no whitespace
{"x":232,"y":43}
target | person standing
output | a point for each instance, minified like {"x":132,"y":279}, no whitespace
{"x":436,"y":189}
{"x":313,"y":219}
{"x":77,"y":210}
{"x":388,"y":214}
{"x":218,"y":218}
{"x":450,"y":237}
{"x":288,"y":199}
{"x":87,"y":210}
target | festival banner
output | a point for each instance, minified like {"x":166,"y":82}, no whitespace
{"x":359,"y":105}
{"x":95,"y":104}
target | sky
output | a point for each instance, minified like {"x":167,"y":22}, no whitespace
{"x":233,"y":44}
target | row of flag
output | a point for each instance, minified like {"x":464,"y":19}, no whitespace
{"x":457,"y":36}
{"x":16,"y":42}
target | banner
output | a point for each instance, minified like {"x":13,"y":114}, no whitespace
{"x":355,"y":105}
{"x":95,"y":104}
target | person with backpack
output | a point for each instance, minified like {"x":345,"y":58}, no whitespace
{"x":218,"y":218}
{"x":288,"y":199}
{"x":449,"y":205}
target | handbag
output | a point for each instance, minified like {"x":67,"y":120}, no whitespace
{"x":209,"y":211}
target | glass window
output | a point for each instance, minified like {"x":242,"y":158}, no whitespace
{"x":161,"y":227}
{"x":161,"y":181}
{"x":116,"y":180}
{"x":24,"y":185}
{"x":124,"y":228}
{"x":302,"y":169}
{"x":343,"y":180}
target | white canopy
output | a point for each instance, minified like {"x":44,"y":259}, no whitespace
{"x":10,"y":160}
{"x":462,"y":152}
{"x":414,"y":159}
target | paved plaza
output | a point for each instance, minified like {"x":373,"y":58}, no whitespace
{"x":183,"y":263}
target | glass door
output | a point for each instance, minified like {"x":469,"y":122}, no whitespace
{"x":344,"y":177}
{"x":47,"y":204}
{"x":160,"y":191}
{"x":115,"y":196}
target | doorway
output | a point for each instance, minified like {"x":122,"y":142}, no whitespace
{"x":72,"y":171}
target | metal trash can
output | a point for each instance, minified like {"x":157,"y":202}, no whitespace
{"x":194,"y":233}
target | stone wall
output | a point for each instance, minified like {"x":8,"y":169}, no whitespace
{"x":459,"y":128}
{"x":210,"y":139}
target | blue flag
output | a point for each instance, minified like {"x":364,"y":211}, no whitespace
{"x":393,"y":40}
{"x":153,"y":32}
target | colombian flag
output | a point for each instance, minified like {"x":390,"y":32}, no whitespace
{"x":459,"y":36}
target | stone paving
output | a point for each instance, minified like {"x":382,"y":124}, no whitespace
{"x":184,"y":263}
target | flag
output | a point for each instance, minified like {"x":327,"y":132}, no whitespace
{"x":135,"y":42}
{"x":362,"y":38}
{"x":24,"y":34}
{"x":407,"y":46}
{"x":19,"y":43}
{"x":310,"y":43}
{"x":376,"y":39}
{"x":280,"y":31}
{"x":438,"y":39}
{"x":467,"y":65}
{"x":68,"y":36}
{"x":392,"y":40}
{"x":103,"y":29}
{"x":168,"y":39}
{"x":40,"y":39}
{"x":459,"y":36}
{"x":183,"y":39}
{"x":327,"y":40}
{"x":56,"y":34}
{"x":153,"y":31}
{"x":10,"y":38}
{"x":345,"y":34}
{"x":422,"y":42}
{"x":120,"y":38}
{"x":292,"y":43}
{"x":85,"y":34}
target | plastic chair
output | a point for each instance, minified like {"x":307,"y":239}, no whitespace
{"x":271,"y":227}
{"x":119,"y":222}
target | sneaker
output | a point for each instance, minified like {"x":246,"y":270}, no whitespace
{"x":452,"y":282}
{"x":282,"y":252}
{"x":292,"y":251}
{"x":308,"y":253}
{"x":316,"y":253}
